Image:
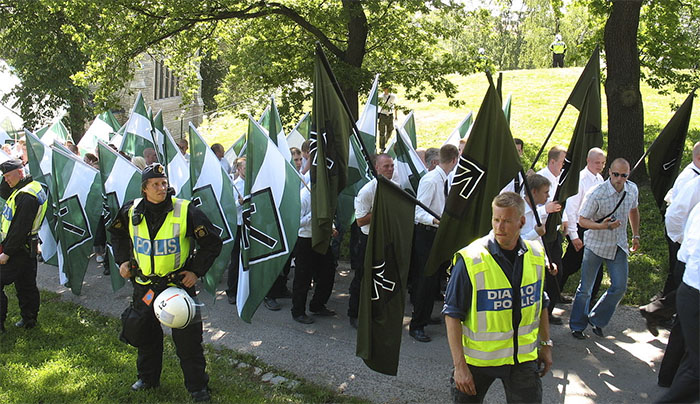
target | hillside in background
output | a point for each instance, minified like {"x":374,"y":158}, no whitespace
{"x":538,"y":96}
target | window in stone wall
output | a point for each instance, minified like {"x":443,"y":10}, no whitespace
{"x":164,"y":83}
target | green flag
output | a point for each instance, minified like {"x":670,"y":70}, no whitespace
{"x":177,"y":167}
{"x":271,"y":213}
{"x":39,"y":159}
{"x":100,"y":129}
{"x":408,"y":167}
{"x":581,"y":142}
{"x":159,"y":135}
{"x":138,"y":134}
{"x":56,"y":131}
{"x":409,"y":125}
{"x":666,"y":152}
{"x":239,"y":145}
{"x":383,"y":290}
{"x":461,"y":131}
{"x":578,"y":94}
{"x":329,"y":155}
{"x":300,"y":133}
{"x":488,"y":162}
{"x":78,"y":207}
{"x":121,"y":182}
{"x":273,"y":125}
{"x":212,"y":193}
{"x":506,"y":107}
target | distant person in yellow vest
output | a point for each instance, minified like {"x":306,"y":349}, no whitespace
{"x":387,"y":115}
{"x":495,"y":282}
{"x":154,"y":245}
{"x":21,"y":219}
{"x":558,"y":48}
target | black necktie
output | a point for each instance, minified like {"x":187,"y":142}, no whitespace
{"x":445,"y":188}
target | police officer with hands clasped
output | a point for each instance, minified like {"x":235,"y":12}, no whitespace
{"x":21,"y":219}
{"x":154,"y":240}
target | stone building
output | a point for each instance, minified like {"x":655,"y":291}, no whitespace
{"x":158,"y":85}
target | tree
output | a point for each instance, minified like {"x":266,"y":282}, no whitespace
{"x":44,"y":57}
{"x":269,"y":45}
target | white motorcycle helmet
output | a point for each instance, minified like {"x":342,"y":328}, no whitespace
{"x":174,"y":308}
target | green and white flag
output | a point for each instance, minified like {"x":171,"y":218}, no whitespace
{"x":409,"y":125}
{"x":239,"y":145}
{"x":212,"y":193}
{"x":273,"y":125}
{"x":100,"y":129}
{"x":461,"y":131}
{"x":271,"y":212}
{"x":300,"y":133}
{"x":117,"y":137}
{"x":57,"y":130}
{"x":367,"y":124}
{"x":39,"y":157}
{"x":408,"y":167}
{"x":231,"y":156}
{"x":121,"y":182}
{"x":177,"y":167}
{"x":137,"y":132}
{"x":78,"y":207}
{"x":159,"y":135}
{"x":506,"y":107}
{"x":4,"y":137}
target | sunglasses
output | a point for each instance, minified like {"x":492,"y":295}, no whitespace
{"x":623,"y":175}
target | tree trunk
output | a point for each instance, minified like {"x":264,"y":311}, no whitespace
{"x":355,"y":52}
{"x":625,"y":110}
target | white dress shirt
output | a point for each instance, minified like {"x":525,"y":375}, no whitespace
{"x":552,"y":191}
{"x":690,"y":250}
{"x":305,"y":221}
{"x":431,"y":191}
{"x":689,"y":172}
{"x":528,"y":231}
{"x":677,"y":212}
{"x":386,"y":104}
{"x":586,"y":181}
{"x":239,"y":184}
{"x":364,"y":201}
{"x":225,"y":165}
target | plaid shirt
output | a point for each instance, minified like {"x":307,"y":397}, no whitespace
{"x":598,"y":203}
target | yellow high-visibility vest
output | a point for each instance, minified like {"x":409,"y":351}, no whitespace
{"x":558,"y":47}
{"x":168,"y":251}
{"x":8,"y":212}
{"x":487,"y":331}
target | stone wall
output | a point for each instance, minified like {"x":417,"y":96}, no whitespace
{"x":176,"y":117}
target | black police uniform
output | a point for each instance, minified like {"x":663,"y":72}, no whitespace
{"x":21,"y":267}
{"x":188,"y":341}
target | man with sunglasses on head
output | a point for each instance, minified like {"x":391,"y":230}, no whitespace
{"x":605,"y":211}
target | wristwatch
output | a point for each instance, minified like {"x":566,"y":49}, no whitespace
{"x":637,"y":237}
{"x":548,"y":343}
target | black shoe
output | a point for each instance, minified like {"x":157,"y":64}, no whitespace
{"x":353,"y":322}
{"x":324,"y":312}
{"x":597,"y":330}
{"x":435,"y":320}
{"x":106,"y":270}
{"x":231,"y":299}
{"x":419,"y":335}
{"x":555,"y":320}
{"x":201,"y":395}
{"x":578,"y":334}
{"x":304,"y":319}
{"x":651,"y":323}
{"x":271,"y":304}
{"x":140,"y":385}
{"x":26,"y":323}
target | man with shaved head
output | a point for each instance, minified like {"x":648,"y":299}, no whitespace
{"x":605,"y":211}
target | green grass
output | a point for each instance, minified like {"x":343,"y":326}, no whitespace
{"x":538,"y":96}
{"x":74,"y":355}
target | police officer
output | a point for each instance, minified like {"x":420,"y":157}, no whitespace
{"x":558,"y":48}
{"x":164,"y":230}
{"x":496,"y":283}
{"x":21,"y":219}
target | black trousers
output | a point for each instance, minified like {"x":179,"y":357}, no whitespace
{"x":20,"y":270}
{"x":354,"y":303}
{"x":671,"y":281}
{"x":571,"y":263}
{"x":188,"y":346}
{"x":551,"y":282}
{"x":686,"y":383}
{"x":310,"y":264}
{"x":424,"y":287}
{"x":233,"y":266}
{"x":557,"y":60}
{"x":675,"y":348}
{"x":521,"y":383}
{"x":386,"y":129}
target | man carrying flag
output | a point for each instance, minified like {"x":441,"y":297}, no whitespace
{"x":22,"y":215}
{"x":495,"y":311}
{"x":154,"y":222}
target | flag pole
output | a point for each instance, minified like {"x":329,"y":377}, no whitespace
{"x":336,"y":87}
{"x":539,"y":153}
